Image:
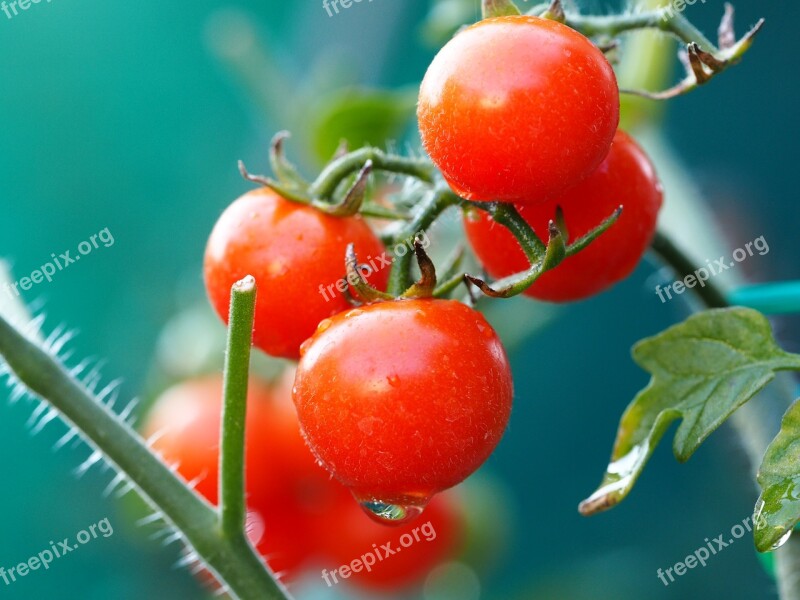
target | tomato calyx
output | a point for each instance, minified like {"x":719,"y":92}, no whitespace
{"x":700,"y":57}
{"x":347,"y":170}
{"x":555,"y":12}
{"x":358,"y":283}
{"x":498,"y":8}
{"x":424,"y":287}
{"x":555,"y":251}
{"x":284,"y":170}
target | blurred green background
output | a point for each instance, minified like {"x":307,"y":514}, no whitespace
{"x":129,"y":116}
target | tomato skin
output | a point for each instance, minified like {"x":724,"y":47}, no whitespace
{"x":517,"y":109}
{"x":625,"y":177}
{"x":294,"y":252}
{"x":291,"y":496}
{"x":352,"y":534}
{"x":403,"y":399}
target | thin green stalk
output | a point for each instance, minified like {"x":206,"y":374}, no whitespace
{"x":709,"y":294}
{"x":434,"y":204}
{"x":506,"y":215}
{"x":233,"y":561}
{"x":333,"y":174}
{"x":662,"y":19}
{"x":232,"y":507}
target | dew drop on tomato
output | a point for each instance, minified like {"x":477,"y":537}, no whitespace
{"x":387,"y":513}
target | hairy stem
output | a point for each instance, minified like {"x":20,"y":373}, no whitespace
{"x":233,"y":561}
{"x":664,"y":19}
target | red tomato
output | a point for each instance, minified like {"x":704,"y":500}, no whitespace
{"x":289,"y":496}
{"x":403,"y":399}
{"x":388,"y":559}
{"x":517,"y":109}
{"x":626,"y":177}
{"x":296,"y":254}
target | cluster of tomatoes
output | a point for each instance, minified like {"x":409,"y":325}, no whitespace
{"x":525,"y":110}
{"x":401,"y":399}
{"x":297,"y":515}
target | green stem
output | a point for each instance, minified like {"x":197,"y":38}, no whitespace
{"x":709,"y":294}
{"x":508,"y":216}
{"x":232,"y":507}
{"x":333,"y":174}
{"x":233,"y":561}
{"x":663,"y":19}
{"x":400,"y":275}
{"x":434,"y":204}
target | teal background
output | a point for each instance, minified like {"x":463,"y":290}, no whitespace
{"x":115,"y":114}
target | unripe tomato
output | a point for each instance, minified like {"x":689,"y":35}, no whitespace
{"x":296,"y":254}
{"x":517,"y":109}
{"x":403,"y":399}
{"x":625,"y":177}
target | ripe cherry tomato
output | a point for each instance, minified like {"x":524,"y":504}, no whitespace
{"x":392,"y":558}
{"x":625,"y":177}
{"x":296,"y":254}
{"x":290,"y":497}
{"x":403,"y":399}
{"x":517,"y":109}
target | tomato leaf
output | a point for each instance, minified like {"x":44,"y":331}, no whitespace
{"x":361,"y":117}
{"x":778,"y":507}
{"x":702,"y":370}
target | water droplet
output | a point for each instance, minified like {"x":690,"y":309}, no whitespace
{"x":393,"y":380}
{"x":783,"y":540}
{"x":353,"y":313}
{"x":324,"y":325}
{"x":304,"y":346}
{"x":387,"y":513}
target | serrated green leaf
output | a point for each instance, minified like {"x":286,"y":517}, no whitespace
{"x":778,"y":507}
{"x":702,"y":370}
